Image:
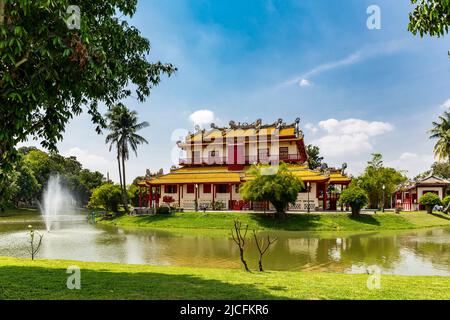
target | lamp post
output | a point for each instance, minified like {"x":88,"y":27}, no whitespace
{"x":384,"y":188}
{"x":196,"y":197}
{"x":307,"y":190}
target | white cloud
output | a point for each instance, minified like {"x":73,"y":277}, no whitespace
{"x":311,"y":127}
{"x":202,"y":117}
{"x":356,"y":57}
{"x":412,"y":163}
{"x":304,"y":83}
{"x":355,"y":126}
{"x":446,"y":104}
{"x":350,"y":136}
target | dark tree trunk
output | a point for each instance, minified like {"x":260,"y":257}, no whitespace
{"x":124,"y":191}
{"x":260,"y":263}
{"x":356,"y":211}
{"x":241,"y":253}
{"x":120,"y":172}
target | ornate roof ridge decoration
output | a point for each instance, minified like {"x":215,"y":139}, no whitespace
{"x":257,"y":125}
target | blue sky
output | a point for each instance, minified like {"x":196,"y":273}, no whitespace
{"x":362,"y":90}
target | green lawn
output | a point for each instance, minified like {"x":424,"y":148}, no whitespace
{"x":295,"y":222}
{"x":19,"y":215}
{"x":46,"y":279}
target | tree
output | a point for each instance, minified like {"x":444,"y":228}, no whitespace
{"x":374,"y":177}
{"x":27,"y":187}
{"x":50,"y":68}
{"x":108,"y":196}
{"x":239,"y":238}
{"x":262,"y":248}
{"x":355,"y":197}
{"x":441,"y":132}
{"x":123,"y":126}
{"x":430,"y":17}
{"x":429,"y":200}
{"x":315,"y":161}
{"x":276,"y":185}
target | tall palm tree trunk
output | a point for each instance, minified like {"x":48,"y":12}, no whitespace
{"x":124,"y":191}
{"x":120,"y":171}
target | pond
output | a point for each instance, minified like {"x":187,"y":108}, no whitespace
{"x":423,"y":252}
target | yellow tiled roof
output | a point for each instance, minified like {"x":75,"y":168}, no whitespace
{"x":220,"y":174}
{"x":337,"y":177}
{"x":198,"y":177}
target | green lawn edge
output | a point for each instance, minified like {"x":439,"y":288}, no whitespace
{"x":46,"y":279}
{"x":222,"y":222}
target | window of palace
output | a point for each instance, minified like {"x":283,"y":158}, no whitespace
{"x":222,"y":188}
{"x":170,"y":189}
{"x":263,"y":153}
{"x":206,"y":188}
{"x":284,"y":152}
{"x":190,"y":188}
{"x":196,"y":157}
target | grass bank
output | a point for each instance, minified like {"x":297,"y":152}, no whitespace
{"x":294,"y":222}
{"x":46,"y":279}
{"x":19,"y":215}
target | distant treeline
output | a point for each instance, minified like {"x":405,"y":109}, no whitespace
{"x":25,"y":183}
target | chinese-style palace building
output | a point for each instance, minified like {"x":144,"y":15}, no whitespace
{"x":216,"y":161}
{"x":407,"y":195}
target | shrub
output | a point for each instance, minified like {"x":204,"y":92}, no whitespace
{"x":163,"y":210}
{"x":108,"y":196}
{"x":446,"y":201}
{"x":217,"y":205}
{"x":133,"y":194}
{"x":355,"y":197}
{"x":429,"y":200}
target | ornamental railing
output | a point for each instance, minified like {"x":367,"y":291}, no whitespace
{"x":240,"y":160}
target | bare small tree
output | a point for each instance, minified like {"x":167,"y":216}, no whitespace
{"x":34,"y":249}
{"x":262,"y":248}
{"x":239,"y":239}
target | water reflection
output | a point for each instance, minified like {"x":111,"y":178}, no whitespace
{"x":408,"y":252}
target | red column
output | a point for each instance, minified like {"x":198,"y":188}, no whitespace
{"x":150,"y":197}
{"x":179,"y":195}
{"x":231,"y":195}
{"x":213,"y":191}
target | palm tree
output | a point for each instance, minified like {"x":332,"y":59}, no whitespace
{"x":123,"y":125}
{"x":441,"y":131}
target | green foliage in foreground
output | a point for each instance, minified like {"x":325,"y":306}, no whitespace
{"x":46,"y":279}
{"x":430,"y":17}
{"x":51,"y":72}
{"x":293,"y":222}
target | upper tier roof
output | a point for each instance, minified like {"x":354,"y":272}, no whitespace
{"x":238,"y":130}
